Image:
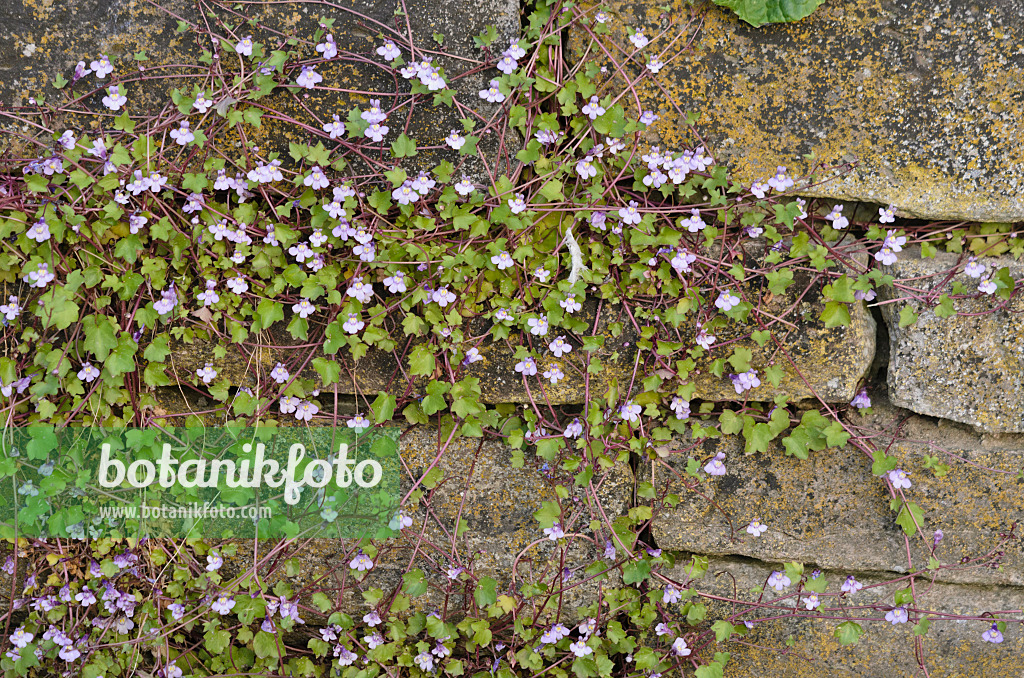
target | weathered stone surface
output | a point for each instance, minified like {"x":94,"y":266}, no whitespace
{"x":923,"y":94}
{"x":831,"y":511}
{"x":951,"y":648}
{"x":496,"y":503}
{"x":968,"y":367}
{"x":39,"y":40}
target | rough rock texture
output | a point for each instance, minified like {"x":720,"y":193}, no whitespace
{"x":830,"y":511}
{"x":40,"y":39}
{"x":496,"y":503}
{"x":968,"y":368}
{"x":951,"y":648}
{"x":817,"y":362}
{"x":923,"y":94}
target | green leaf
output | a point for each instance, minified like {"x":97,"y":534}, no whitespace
{"x":909,"y":513}
{"x":636,"y":572}
{"x":722,"y":629}
{"x":928,"y":250}
{"x":945,"y":308}
{"x":421,"y":360}
{"x":100,"y":336}
{"x":836,"y":314}
{"x":760,"y":12}
{"x":383,"y":407}
{"x":485,"y":593}
{"x":907,"y":317}
{"x":921,"y":627}
{"x":403,"y":147}
{"x":414,"y":582}
{"x":849,"y":633}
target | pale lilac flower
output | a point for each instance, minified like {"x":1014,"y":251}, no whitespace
{"x":861,"y":400}
{"x":671,"y":595}
{"x":335,"y":128}
{"x":507,"y":64}
{"x":887,"y":215}
{"x":502,"y":314}
{"x":517,"y":204}
{"x":136,"y":222}
{"x":360,"y":290}
{"x":851,"y":585}
{"x":288,"y":404}
{"x":648,"y":118}
{"x":472,"y":356}
{"x":244,"y":46}
{"x":547,"y":136}
{"x":527,"y":366}
{"x":201,"y":104}
{"x":655,"y":64}
{"x":425,"y":661}
{"x":897,"y":615}
{"x":433,"y":80}
{"x":570,"y":304}
{"x":328,"y":48}
{"x":680,"y":407}
{"x":630,"y":412}
{"x":492,"y":93}
{"x":361,"y":562}
{"x":992,"y":635}
{"x":601,"y":17}
{"x":682,"y":260}
{"x":559,"y":346}
{"x":371,"y":618}
{"x":114,"y":99}
{"x":464,"y":187}
{"x":541,"y":273}
{"x":209,"y":296}
{"x":679,"y":648}
{"x":183,"y":134}
{"x":316,"y":179}
{"x":756,"y":527}
{"x":574,"y":430}
{"x":638,"y":39}
{"x":85,"y":597}
{"x":554,"y":533}
{"x":553,"y":374}
{"x":727,"y":301}
{"x":353,"y":324}
{"x":812,"y":601}
{"x":374,"y":114}
{"x":88,"y":373}
{"x":580,"y":648}
{"x":864,"y":296}
{"x":53,"y":166}
{"x":279,"y":374}
{"x":986,"y":286}
{"x":655,"y":179}
{"x":899,"y":479}
{"x":389,"y":51}
{"x":455,"y":140}
{"x":780,"y":181}
{"x":67,"y":140}
{"x":40,"y":231}
{"x":168,"y":300}
{"x":214,"y":561}
{"x":594,"y":109}
{"x":223,"y":604}
{"x":802,"y":204}
{"x":759,"y":188}
{"x":20,"y":638}
{"x":974,"y":268}
{"x":538,"y":326}
{"x":662,"y":629}
{"x":894,"y":242}
{"x":745,"y":381}
{"x":102,"y":67}
{"x":629,"y":214}
{"x":885,"y":256}
{"x":585,"y":168}
{"x":502,"y":260}
{"x":306,"y":410}
{"x":80,"y":71}
{"x":303,"y":308}
{"x":405,"y":194}
{"x":207,"y":373}
{"x":839,"y":222}
{"x":694,"y":223}
{"x":778,"y":580}
{"x":716,"y":467}
{"x":358,"y":422}
{"x":396,"y":282}
{"x":443,"y":296}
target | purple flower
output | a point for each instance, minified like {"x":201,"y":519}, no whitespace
{"x":974,"y":268}
{"x":812,"y":601}
{"x":638,"y":39}
{"x":671,"y":595}
{"x":214,"y":562}
{"x":455,"y":140}
{"x":517,"y":204}
{"x":937,"y":537}
{"x":114,"y":99}
{"x":648,"y":118}
{"x":778,"y":580}
{"x":507,"y":64}
{"x":885,"y":256}
{"x":335,"y":128}
{"x":727,"y":301}
{"x":223,"y":604}
{"x":353,"y":324}
{"x":682,"y":260}
{"x":492,"y":93}
{"x":630,"y":412}
{"x":305,"y":410}
{"x":992,"y":635}
{"x":361,"y":562}
{"x":396,"y":282}
{"x":861,"y":400}
{"x":756,"y":527}
{"x":502,"y":260}
{"x":574,"y":430}
{"x":745,"y":381}
{"x":679,"y":648}
{"x":316,"y":179}
{"x":986,"y":286}
{"x":897,"y":615}
{"x":839,"y":222}
{"x":898,"y":478}
{"x":244,"y":46}
{"x":538,"y":326}
{"x":580,"y":648}
{"x":554,"y":374}
{"x":759,"y":188}
{"x":594,"y":109}
{"x":716,"y":467}
{"x":102,"y":66}
{"x":680,"y":407}
{"x":464,"y":187}
{"x":554,"y":533}
{"x":527,"y":366}
{"x":629,"y":214}
{"x":780,"y":181}
{"x":389,"y":51}
{"x":570,"y":304}
{"x":887,"y":215}
{"x":559,"y":346}
{"x":308,"y":78}
{"x":851,"y":585}
{"x":207,"y":373}
{"x":328,"y":48}
{"x":371,"y":618}
{"x":183,"y":134}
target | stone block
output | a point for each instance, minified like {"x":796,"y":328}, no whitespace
{"x":968,"y":367}
{"x":951,"y":647}
{"x":830,"y":511}
{"x":921,"y":96}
